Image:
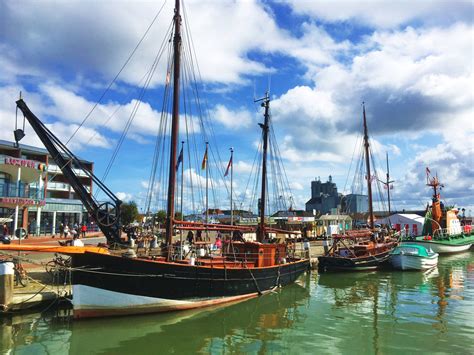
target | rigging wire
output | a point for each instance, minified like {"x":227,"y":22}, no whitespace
{"x":118,"y":74}
{"x":135,"y":108}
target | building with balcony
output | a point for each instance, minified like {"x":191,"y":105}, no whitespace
{"x":34,"y":194}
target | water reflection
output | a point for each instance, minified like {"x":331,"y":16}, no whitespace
{"x":255,"y":323}
{"x":362,"y":313}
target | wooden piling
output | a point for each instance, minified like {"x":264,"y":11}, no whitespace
{"x":6,"y":284}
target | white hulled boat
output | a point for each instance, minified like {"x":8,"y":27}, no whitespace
{"x":413,"y":257}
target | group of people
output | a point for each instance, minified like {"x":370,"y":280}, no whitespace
{"x":65,"y":231}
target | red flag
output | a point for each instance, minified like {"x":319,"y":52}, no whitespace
{"x":228,"y":166}
{"x":204,"y":160}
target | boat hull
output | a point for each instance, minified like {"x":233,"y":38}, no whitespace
{"x":107,"y":285}
{"x":445,"y":246}
{"x":365,"y":263}
{"x":413,"y":262}
{"x":94,"y":302}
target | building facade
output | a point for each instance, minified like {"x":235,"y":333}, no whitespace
{"x":355,"y":203}
{"x":34,"y":194}
{"x":324,"y":196}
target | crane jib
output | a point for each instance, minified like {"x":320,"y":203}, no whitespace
{"x":107,"y":214}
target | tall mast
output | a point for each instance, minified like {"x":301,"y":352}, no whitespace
{"x":265,"y":129}
{"x":388,"y":187}
{"x":369,"y":177}
{"x":182,"y":181}
{"x":175,"y":123}
{"x":207,"y":189}
{"x":231,"y":181}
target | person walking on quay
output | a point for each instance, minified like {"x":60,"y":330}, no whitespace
{"x":66,"y":231}
{"x":83,"y":230}
{"x":61,"y":230}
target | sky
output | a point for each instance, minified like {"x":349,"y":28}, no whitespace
{"x":410,"y":62}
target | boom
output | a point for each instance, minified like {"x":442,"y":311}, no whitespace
{"x":106,"y":214}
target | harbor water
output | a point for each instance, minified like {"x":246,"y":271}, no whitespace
{"x":389,"y":312}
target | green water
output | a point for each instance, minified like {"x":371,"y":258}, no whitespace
{"x":357,"y":313}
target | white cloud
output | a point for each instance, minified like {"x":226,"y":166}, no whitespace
{"x":384,"y":13}
{"x":124,"y":196}
{"x":231,"y":119}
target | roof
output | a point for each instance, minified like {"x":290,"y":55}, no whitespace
{"x":334,"y":216}
{"x":402,"y":217}
{"x":313,"y":200}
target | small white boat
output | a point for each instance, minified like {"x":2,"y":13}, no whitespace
{"x":413,"y":257}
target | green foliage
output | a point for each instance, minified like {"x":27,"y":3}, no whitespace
{"x":178,"y":216}
{"x":129,"y":212}
{"x":160,"y":216}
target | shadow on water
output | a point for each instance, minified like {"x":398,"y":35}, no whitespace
{"x":249,"y":325}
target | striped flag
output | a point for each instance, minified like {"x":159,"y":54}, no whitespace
{"x":180,"y":159}
{"x":204,"y":160}
{"x":228,"y":166}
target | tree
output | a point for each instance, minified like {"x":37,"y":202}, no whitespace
{"x":160,"y":217}
{"x":129,"y":212}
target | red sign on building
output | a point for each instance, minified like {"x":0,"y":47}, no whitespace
{"x":21,"y":201}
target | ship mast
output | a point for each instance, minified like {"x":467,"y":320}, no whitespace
{"x":369,"y":177}
{"x":174,"y":124}
{"x":265,"y":128}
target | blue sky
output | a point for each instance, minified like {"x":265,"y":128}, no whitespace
{"x":411,"y":62}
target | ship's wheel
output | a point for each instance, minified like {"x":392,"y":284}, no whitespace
{"x":107,"y":214}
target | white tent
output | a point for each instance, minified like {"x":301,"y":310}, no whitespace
{"x":408,"y":224}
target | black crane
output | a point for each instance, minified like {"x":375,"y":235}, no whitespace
{"x":106,"y":214}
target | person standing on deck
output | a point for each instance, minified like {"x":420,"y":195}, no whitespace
{"x":190,"y":237}
{"x":199,"y":236}
{"x":76,"y":242}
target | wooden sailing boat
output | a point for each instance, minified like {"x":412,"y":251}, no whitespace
{"x":359,"y":249}
{"x":442,"y":230}
{"x":105,"y":284}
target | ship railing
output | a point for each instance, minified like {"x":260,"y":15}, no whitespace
{"x":148,"y":245}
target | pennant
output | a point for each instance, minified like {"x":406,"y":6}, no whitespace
{"x":204,"y":160}
{"x":228,"y":166}
{"x":180,"y":159}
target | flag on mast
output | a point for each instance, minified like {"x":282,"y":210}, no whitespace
{"x":204,"y":160}
{"x":228,"y":166}
{"x":180,"y":159}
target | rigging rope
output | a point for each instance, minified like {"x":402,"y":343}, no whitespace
{"x":118,"y":74}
